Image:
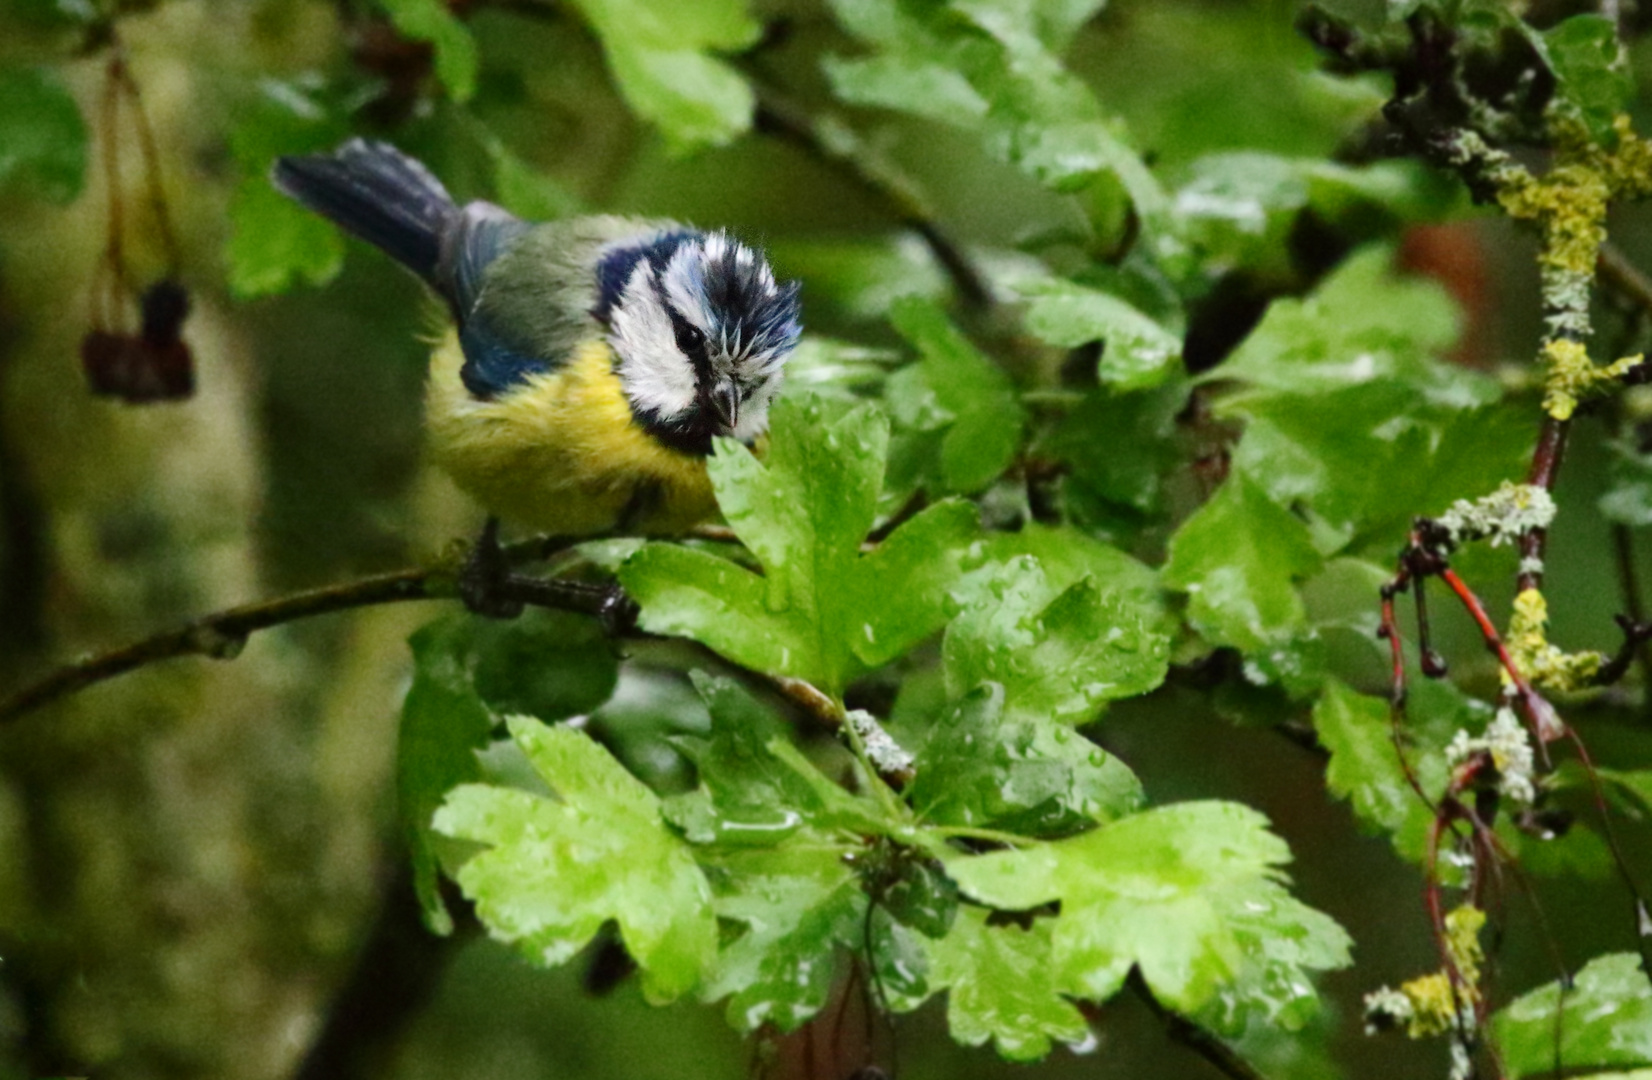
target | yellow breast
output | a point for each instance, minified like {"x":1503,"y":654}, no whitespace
{"x":561,"y":453}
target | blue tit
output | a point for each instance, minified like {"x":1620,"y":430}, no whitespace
{"x":590,"y":361}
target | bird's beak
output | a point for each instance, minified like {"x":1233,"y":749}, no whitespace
{"x":725,"y":398}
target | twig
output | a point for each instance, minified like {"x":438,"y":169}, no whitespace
{"x":220,"y":635}
{"x":223,"y":634}
{"x":784,"y":120}
{"x":1191,"y":1035}
{"x":1624,"y":277}
{"x":1546,"y":457}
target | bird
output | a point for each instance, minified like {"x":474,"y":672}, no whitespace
{"x":591,"y":362}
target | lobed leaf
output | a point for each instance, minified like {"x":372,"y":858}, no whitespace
{"x":660,"y":56}
{"x":1365,"y":767}
{"x":957,"y":393}
{"x":555,"y":870}
{"x":978,"y":767}
{"x":1059,"y":654}
{"x":1189,"y":894}
{"x":997,"y":979}
{"x":1014,"y":92}
{"x":822,"y":610}
{"x":746,"y":794}
{"x":798,"y":905}
{"x":1137,"y":353}
{"x":1604,"y":1021}
{"x":467,"y":673}
{"x":1239,"y":559}
{"x":1593,"y":81}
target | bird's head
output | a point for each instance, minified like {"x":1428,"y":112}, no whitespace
{"x":701,"y":330}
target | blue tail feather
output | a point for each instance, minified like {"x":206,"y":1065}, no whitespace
{"x":377,"y":193}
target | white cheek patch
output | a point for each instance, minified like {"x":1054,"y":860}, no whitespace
{"x":657,"y":377}
{"x":754,"y":411}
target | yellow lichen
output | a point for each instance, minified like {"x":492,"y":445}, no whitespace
{"x":1434,"y":1002}
{"x":1569,"y":202}
{"x":1541,"y":662}
{"x":1433,"y":1007}
{"x":1463,"y":926}
{"x":1572,"y":376}
{"x":1629,"y":168}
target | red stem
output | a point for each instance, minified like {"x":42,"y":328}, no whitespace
{"x":1551,"y":448}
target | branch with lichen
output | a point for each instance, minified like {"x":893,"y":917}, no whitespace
{"x":1568,"y":205}
{"x":1433,"y":1004}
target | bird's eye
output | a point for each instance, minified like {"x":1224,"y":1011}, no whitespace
{"x":689,"y":338}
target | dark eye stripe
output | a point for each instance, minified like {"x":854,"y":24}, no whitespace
{"x":691,"y":341}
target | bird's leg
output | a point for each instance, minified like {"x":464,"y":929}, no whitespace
{"x":484,"y":578}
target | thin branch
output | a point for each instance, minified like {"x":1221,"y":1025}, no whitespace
{"x":1195,"y":1038}
{"x":1546,"y":458}
{"x":223,"y":634}
{"x":1624,"y":277}
{"x":840,"y":149}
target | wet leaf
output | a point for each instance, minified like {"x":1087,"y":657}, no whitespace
{"x":1190,"y":894}
{"x":555,"y":870}
{"x":822,"y":610}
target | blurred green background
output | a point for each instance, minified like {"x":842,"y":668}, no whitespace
{"x":191,"y":857}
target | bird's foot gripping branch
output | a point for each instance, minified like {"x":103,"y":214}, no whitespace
{"x":975,"y":845}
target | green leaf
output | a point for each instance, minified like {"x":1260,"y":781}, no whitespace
{"x":555,"y":870}
{"x":822,"y":610}
{"x":978,"y":767}
{"x":1365,"y":767}
{"x":1605,"y":1021}
{"x":1067,"y":556}
{"x":1190,"y":894}
{"x":455,"y":49}
{"x":931,"y":91}
{"x":275,"y":243}
{"x":1368,"y":457}
{"x":747,"y":795}
{"x":1362,"y":322}
{"x":970,"y":399}
{"x":1027,"y":108}
{"x":468,"y":672}
{"x":997,"y":978}
{"x":1138,"y":353}
{"x":1238,"y":559}
{"x":1593,"y":82}
{"x":922,"y":897}
{"x":799,"y":905}
{"x":1059,"y":654}
{"x":443,"y":724}
{"x":1121,"y":446}
{"x":659,"y":56}
{"x":43,"y":139}
{"x":524,"y":190}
